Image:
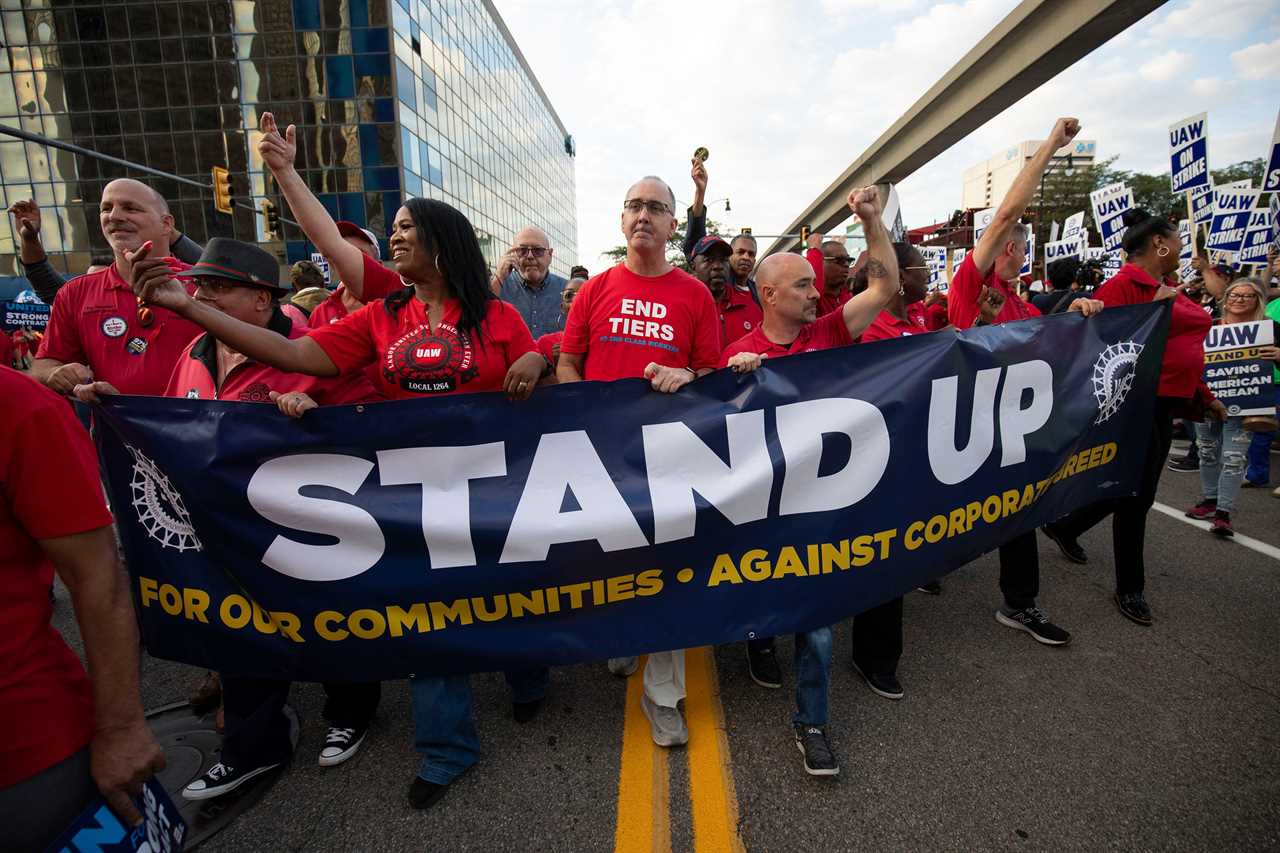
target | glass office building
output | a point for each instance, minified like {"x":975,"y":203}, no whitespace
{"x":392,"y":98}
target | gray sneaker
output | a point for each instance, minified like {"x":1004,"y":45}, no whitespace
{"x":667,"y":723}
{"x":622,"y":667}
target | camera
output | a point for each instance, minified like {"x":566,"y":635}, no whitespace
{"x":1090,"y":274}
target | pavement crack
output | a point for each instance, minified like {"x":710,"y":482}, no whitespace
{"x":1220,"y":668}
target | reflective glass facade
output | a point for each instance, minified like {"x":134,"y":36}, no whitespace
{"x":391,"y":98}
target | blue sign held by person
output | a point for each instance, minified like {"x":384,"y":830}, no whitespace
{"x":1189,"y":153}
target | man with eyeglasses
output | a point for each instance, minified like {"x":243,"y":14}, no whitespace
{"x":835,"y":271}
{"x":645,"y":318}
{"x":97,"y":330}
{"x":525,"y":281}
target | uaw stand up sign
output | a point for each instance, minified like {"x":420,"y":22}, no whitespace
{"x":595,"y":520}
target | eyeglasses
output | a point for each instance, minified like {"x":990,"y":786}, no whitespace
{"x":839,"y":260}
{"x":655,"y":208}
{"x":913,"y":268}
{"x":1241,"y":297}
{"x":530,"y":251}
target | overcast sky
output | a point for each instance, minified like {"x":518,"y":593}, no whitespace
{"x":787,"y":94}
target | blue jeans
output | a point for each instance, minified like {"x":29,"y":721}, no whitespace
{"x":1259,"y":471}
{"x":1223,"y":445}
{"x":444,"y":727}
{"x":813,"y":677}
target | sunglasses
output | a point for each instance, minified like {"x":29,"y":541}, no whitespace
{"x":839,"y":260}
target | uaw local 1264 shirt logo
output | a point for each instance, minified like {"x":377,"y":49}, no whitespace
{"x":428,"y":361}
{"x":1113,"y":375}
{"x":159,"y":506}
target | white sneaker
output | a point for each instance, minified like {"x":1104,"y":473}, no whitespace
{"x":667,"y":724}
{"x":622,"y":667}
{"x":340,"y":744}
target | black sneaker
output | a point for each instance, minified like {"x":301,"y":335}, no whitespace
{"x":524,"y":712}
{"x":762,"y":664}
{"x":340,"y":744}
{"x":881,"y":683}
{"x":222,"y":779}
{"x":1134,"y":607}
{"x":930,"y":588}
{"x":1186,"y":463}
{"x":424,"y":794}
{"x":1068,"y":545}
{"x":819,"y":760}
{"x":1035,"y":622}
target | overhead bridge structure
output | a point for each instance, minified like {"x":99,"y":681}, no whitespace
{"x":1033,"y":43}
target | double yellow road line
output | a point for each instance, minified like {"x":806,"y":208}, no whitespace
{"x":644,"y":790}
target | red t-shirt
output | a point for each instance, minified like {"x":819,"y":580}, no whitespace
{"x":95,"y":322}
{"x":49,"y":488}
{"x":194,"y":376}
{"x":547,"y":343}
{"x":935,"y":316}
{"x":622,"y":321}
{"x":827,"y":332}
{"x":886,"y":326}
{"x":966,"y":287}
{"x":739,"y":313}
{"x":6,"y":350}
{"x":413,"y":359}
{"x":1183,"y":365}
{"x":379,"y":283}
{"x":827,"y":303}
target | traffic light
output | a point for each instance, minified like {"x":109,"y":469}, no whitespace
{"x":271,"y":218}
{"x":221,"y":190}
{"x":804,"y":235}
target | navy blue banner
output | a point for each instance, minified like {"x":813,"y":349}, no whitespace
{"x":24,"y":315}
{"x":470,"y":533}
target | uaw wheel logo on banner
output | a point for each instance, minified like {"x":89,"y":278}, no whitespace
{"x":1113,"y":375}
{"x":159,"y":506}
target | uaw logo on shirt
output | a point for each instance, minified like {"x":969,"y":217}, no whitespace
{"x":159,"y":506}
{"x":430,"y":362}
{"x":1113,"y":375}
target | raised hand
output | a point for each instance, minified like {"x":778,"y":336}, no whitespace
{"x":699,"y":175}
{"x":1064,"y":130}
{"x":865,"y":203}
{"x":153,"y":281}
{"x":27,"y":214}
{"x":278,"y":152}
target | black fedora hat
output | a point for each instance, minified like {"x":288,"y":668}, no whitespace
{"x":242,"y":263}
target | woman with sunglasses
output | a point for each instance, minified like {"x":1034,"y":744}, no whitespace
{"x":1224,"y":444}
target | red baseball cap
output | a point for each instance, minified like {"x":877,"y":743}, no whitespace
{"x":350,"y":229}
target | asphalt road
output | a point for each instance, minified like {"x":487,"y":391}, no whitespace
{"x":1130,"y":738}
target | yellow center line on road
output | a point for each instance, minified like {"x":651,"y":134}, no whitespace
{"x":711,"y":788}
{"x":644,"y":806}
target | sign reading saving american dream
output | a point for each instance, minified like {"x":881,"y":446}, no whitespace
{"x":595,"y":520}
{"x":1235,"y":372}
{"x":1109,"y":205}
{"x":1189,"y":153}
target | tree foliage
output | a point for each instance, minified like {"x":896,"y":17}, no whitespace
{"x":675,"y":254}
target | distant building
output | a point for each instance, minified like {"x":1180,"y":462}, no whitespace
{"x":392,"y":98}
{"x":986,"y":183}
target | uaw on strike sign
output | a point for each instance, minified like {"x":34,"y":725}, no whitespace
{"x":596,"y":520}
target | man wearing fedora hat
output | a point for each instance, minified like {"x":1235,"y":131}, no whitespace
{"x":242,"y":281}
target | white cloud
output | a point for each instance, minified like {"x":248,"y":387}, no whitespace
{"x":838,"y":7}
{"x":1258,"y":61}
{"x":1165,"y":66}
{"x":1211,"y":19}
{"x":1207,"y":87}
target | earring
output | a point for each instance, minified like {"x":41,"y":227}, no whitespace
{"x":1162,"y":252}
{"x":437,"y":262}
{"x":902,"y":291}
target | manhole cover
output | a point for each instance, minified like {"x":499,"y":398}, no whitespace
{"x":191,"y":745}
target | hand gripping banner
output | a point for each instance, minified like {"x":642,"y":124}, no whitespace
{"x":470,"y":533}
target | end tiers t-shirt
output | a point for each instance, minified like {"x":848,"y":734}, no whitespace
{"x":49,"y":489}
{"x":620,"y":322}
{"x":414,"y":360}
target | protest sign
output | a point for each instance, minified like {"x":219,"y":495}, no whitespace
{"x":1273,"y":220}
{"x":935,"y":257}
{"x":1186,"y":271}
{"x":892,"y":216}
{"x":1073,"y":225}
{"x":596,"y":520}
{"x":98,"y":829}
{"x":25,"y":315}
{"x":1189,"y":153}
{"x":1230,"y":219}
{"x":1109,"y":205}
{"x":1234,"y":371}
{"x":1073,"y":247}
{"x":1202,"y":204}
{"x":1053,"y":232}
{"x":321,"y":261}
{"x":982,"y":219}
{"x":1030,"y":254}
{"x":1271,"y":180}
{"x":1257,"y":236}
